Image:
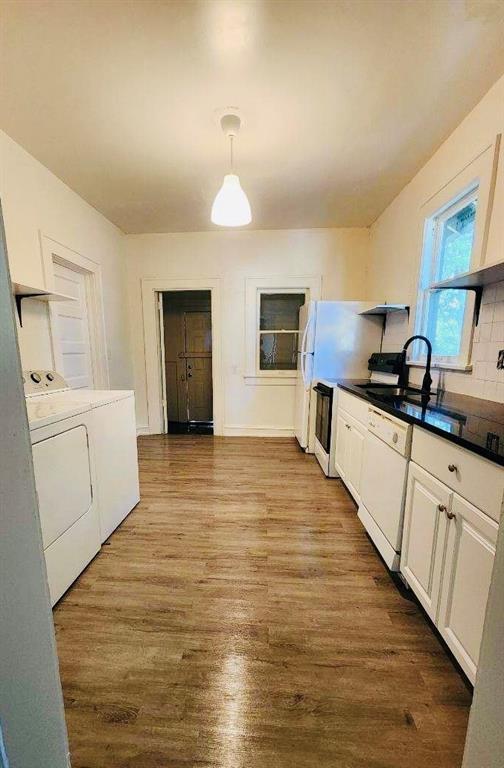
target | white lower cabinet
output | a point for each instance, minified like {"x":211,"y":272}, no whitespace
{"x":350,"y":435}
{"x":469,"y":559}
{"x":342,"y":437}
{"x":447,"y":558}
{"x":424,"y":533}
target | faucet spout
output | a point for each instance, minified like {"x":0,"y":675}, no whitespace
{"x":427,"y":379}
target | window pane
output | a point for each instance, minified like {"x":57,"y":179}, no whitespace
{"x":280,"y":311}
{"x":457,"y":242}
{"x":446,"y":322}
{"x":278,"y":351}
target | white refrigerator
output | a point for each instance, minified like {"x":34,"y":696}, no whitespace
{"x":335,"y":343}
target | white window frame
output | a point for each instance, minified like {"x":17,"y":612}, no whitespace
{"x":430,"y":274}
{"x":310,"y":286}
{"x":263,"y":292}
{"x":478,"y":174}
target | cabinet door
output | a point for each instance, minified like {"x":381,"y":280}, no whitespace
{"x":356,"y":436}
{"x":467,"y":572}
{"x":342,"y":438}
{"x":425,"y":525}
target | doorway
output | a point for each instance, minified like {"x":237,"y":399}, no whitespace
{"x":186,"y":325}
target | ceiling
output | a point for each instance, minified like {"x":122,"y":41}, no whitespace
{"x":343,"y":100}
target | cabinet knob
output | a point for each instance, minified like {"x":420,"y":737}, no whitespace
{"x":451,"y":515}
{"x":452,"y":467}
{"x":347,"y":426}
{"x":441,"y":507}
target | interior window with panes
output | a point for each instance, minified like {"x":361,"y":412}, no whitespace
{"x":278,"y":330}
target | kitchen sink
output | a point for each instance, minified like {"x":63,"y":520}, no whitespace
{"x":390,"y":389}
{"x":394,"y":391}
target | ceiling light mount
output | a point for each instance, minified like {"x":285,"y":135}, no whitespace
{"x":230,"y":124}
{"x":231,"y":207}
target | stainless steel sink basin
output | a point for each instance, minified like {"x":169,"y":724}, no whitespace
{"x":395,"y":391}
{"x":374,"y":385}
{"x":390,"y":389}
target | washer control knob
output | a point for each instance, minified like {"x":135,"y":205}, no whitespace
{"x":36,"y":378}
{"x":50,"y":377}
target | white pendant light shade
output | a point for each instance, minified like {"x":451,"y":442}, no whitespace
{"x":231,"y":207}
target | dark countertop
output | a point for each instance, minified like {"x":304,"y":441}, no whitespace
{"x":475,"y":424}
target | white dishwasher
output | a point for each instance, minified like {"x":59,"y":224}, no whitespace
{"x":387,"y":448}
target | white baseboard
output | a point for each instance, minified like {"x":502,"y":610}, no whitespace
{"x":239,"y":430}
{"x":248,"y":430}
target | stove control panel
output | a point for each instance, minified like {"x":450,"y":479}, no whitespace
{"x":42,"y":382}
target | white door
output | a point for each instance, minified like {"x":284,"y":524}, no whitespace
{"x":356,"y":437}
{"x":425,"y":523}
{"x":72,"y":339}
{"x":466,"y":579}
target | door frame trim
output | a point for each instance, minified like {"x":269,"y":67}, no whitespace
{"x":53,"y":251}
{"x":151,"y":287}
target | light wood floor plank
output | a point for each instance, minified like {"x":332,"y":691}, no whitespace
{"x":240,"y":618}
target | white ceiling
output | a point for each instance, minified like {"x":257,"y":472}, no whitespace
{"x":343,"y":100}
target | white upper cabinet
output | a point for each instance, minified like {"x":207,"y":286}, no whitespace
{"x":494,"y":251}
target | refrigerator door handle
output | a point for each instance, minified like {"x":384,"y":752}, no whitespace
{"x":303,"y":351}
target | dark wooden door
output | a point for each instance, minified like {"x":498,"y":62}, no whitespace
{"x":198,"y":352}
{"x":188,"y":357}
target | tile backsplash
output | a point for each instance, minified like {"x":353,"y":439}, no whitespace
{"x":485,"y":380}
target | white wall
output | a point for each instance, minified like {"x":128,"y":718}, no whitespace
{"x":338,"y":255}
{"x":395,"y":247}
{"x":36,"y":202}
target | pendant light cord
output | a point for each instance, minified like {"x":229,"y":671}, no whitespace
{"x":231,"y":152}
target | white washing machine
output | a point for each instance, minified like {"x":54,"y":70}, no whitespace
{"x":86,"y":469}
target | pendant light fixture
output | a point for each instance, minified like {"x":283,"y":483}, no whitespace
{"x":231,"y":207}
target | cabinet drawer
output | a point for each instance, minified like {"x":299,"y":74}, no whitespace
{"x":354,"y":406}
{"x":474,"y":478}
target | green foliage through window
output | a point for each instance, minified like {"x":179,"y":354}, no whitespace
{"x":453,"y":245}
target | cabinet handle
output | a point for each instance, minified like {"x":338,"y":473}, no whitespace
{"x":452,"y":467}
{"x":441,"y":507}
{"x":451,"y":515}
{"x":347,"y":426}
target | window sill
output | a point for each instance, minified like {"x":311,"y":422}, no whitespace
{"x":441,"y":366}
{"x":270,"y":380}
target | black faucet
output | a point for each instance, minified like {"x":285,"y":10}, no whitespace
{"x":427,"y":379}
